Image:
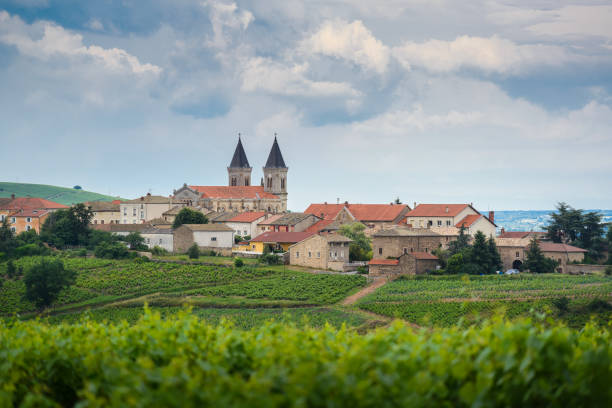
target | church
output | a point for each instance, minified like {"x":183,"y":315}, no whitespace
{"x":240,"y":195}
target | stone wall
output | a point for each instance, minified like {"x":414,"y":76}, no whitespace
{"x":581,"y":269}
{"x":394,"y":246}
{"x":316,"y":247}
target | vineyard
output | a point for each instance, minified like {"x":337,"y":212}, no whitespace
{"x":444,"y":301}
{"x":182,"y":361}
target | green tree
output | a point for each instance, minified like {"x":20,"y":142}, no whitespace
{"x":68,"y":227}
{"x":535,"y":260}
{"x":462,"y":242}
{"x":238,"y":263}
{"x":193,"y":252}
{"x":111,"y":250}
{"x":135,"y":241}
{"x":45,"y":280}
{"x":455,"y":263}
{"x":496,"y":263}
{"x":481,"y":255}
{"x":361,"y":247}
{"x":8,"y":242}
{"x":189,"y":216}
{"x":11,"y":271}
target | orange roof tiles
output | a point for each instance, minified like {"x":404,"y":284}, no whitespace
{"x":554,"y":247}
{"x":384,"y":262}
{"x":362,"y":212}
{"x":318,"y":226}
{"x":423,"y":255}
{"x":468,"y":220}
{"x":283,"y":237}
{"x":437,"y":210}
{"x":29,"y":213}
{"x":248,"y":216}
{"x":32,"y":203}
{"x":520,"y":234}
{"x":250,"y":192}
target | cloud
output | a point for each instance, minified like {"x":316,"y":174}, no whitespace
{"x":349,"y":41}
{"x":264,"y":74}
{"x":576,"y":21}
{"x":224,"y":16}
{"x":491,"y":55}
{"x":57,"y":41}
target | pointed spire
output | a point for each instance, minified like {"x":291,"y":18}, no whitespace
{"x":275,"y":159}
{"x":239,"y":160}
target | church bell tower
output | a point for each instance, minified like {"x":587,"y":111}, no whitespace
{"x":239,"y":171}
{"x":275,"y":174}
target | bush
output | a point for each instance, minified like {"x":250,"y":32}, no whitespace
{"x":521,"y":364}
{"x":115,"y":250}
{"x":608,"y":270}
{"x":158,"y":251}
{"x":562,"y":304}
{"x":363,"y":270}
{"x":193,"y":252}
{"x":11,"y":271}
{"x":599,"y":305}
{"x":45,"y":280}
{"x":31,"y":250}
{"x":270,"y":259}
{"x":238,"y":263}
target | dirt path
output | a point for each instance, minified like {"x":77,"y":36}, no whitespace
{"x":376,"y":283}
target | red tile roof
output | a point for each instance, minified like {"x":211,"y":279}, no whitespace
{"x":283,"y":237}
{"x":318,"y":226}
{"x":423,"y":255}
{"x":437,"y":210}
{"x":29,"y":213}
{"x":553,"y":247}
{"x":250,"y":192}
{"x":362,"y":212}
{"x":247,"y":217}
{"x":468,"y":220}
{"x":32,"y":203}
{"x":384,"y":262}
{"x":520,"y":234}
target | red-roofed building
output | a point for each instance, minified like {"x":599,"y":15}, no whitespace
{"x":245,"y":224}
{"x":27,"y":213}
{"x":373,"y":216}
{"x":240,"y":195}
{"x":26,"y":220}
{"x":521,"y":234}
{"x":513,"y":252}
{"x":277,"y":241}
{"x":451,"y":215}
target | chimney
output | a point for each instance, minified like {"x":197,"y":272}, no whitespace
{"x":346,"y":203}
{"x":148,"y":194}
{"x":12,"y":196}
{"x":414,"y":205}
{"x":141,"y":198}
{"x":492,"y":216}
{"x":503,"y":230}
{"x":446,"y":210}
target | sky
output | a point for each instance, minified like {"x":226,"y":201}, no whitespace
{"x":504,"y":104}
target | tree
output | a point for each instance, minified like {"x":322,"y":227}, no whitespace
{"x":135,"y":241}
{"x":7,"y":240}
{"x":455,"y":263}
{"x":496,"y":263}
{"x":361,"y":247}
{"x":536,"y":262}
{"x":481,"y":255}
{"x":238,"y":263}
{"x":462,"y":242}
{"x":111,"y":250}
{"x":68,"y":227}
{"x":193,"y":252}
{"x":189,"y":216}
{"x":45,"y":280}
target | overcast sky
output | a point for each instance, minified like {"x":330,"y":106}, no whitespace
{"x":506,"y":104}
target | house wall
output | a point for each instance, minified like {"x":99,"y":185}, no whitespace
{"x":394,"y":246}
{"x":311,"y":252}
{"x":214,"y":239}
{"x":483,"y":225}
{"x":564,"y":258}
{"x":21,"y":223}
{"x":106,"y":217}
{"x":165,"y":241}
{"x":511,"y":254}
{"x":137,"y":213}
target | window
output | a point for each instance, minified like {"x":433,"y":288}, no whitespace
{"x":142,"y":214}
{"x":13,"y":229}
{"x":429,"y":223}
{"x":134,"y":212}
{"x":448,"y":223}
{"x":245,"y":233}
{"x":379,"y":251}
{"x":282,"y":183}
{"x":518,"y":254}
{"x":297,"y":254}
{"x":102,"y":221}
{"x":411,"y":249}
{"x":2,"y":217}
{"x":439,"y":223}
{"x":254,"y":248}
{"x":95,"y":221}
{"x":28,"y":227}
{"x":213,"y":238}
{"x":309,"y":254}
{"x":233,"y":181}
{"x":342,"y":254}
{"x":13,"y":220}
{"x":28,"y":219}
{"x":426,"y":250}
{"x":335,"y":254}
{"x":405,"y":250}
{"x":318,"y":254}
{"x":141,"y":206}
{"x":160,"y":241}
{"x":148,"y":241}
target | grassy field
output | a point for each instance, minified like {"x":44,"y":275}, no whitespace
{"x":62,"y":195}
{"x":445,"y":301}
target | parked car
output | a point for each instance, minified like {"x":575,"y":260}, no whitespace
{"x":512,"y":271}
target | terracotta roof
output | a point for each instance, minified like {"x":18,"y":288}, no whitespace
{"x":248,"y":216}
{"x":175,"y":210}
{"x":361,"y":212}
{"x":406,"y":232}
{"x":384,"y":262}
{"x":520,"y":234}
{"x":285,"y":237}
{"x":150,"y":199}
{"x":553,"y":247}
{"x":437,"y":210}
{"x":99,"y":206}
{"x":29,"y":213}
{"x":207,"y":227}
{"x":319,"y":226}
{"x":468,"y":220}
{"x":220,"y":217}
{"x":159,"y":221}
{"x":5,"y":201}
{"x":32,"y":203}
{"x":250,"y":192}
{"x":271,"y":219}
{"x":423,"y":255}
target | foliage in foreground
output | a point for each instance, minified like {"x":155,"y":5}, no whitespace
{"x":183,"y":361}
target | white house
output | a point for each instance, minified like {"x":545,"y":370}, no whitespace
{"x":145,"y":208}
{"x":217,"y":237}
{"x":161,"y":237}
{"x":451,"y":216}
{"x":245,"y":224}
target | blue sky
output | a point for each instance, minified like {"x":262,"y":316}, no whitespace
{"x":504,"y":104}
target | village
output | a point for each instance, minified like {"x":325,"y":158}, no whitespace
{"x":248,"y":220}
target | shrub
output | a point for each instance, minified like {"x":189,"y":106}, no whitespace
{"x":598,"y":305}
{"x":193,"y":252}
{"x":270,"y":259}
{"x":114,"y":250}
{"x":562,"y":304}
{"x":238,"y":263}
{"x":45,"y":280}
{"x":11,"y":271}
{"x":363,"y":270}
{"x":31,"y":250}
{"x":158,"y":251}
{"x":608,"y":270}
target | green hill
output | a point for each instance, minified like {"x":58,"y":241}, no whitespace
{"x":62,"y":195}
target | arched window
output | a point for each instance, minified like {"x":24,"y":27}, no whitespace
{"x":283,"y":183}
{"x":233,"y":181}
{"x":246,"y":181}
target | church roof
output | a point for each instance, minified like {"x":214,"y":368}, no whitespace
{"x":239,"y":160}
{"x":275,"y":158}
{"x":237,"y":192}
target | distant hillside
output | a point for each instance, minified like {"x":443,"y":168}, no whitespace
{"x":62,"y":195}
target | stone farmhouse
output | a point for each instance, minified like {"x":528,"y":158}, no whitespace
{"x":290,"y":222}
{"x":513,"y":252}
{"x":395,"y":242}
{"x":26,"y":213}
{"x":329,"y":251}
{"x":215,"y":237}
{"x":240,"y":195}
{"x":105,"y":212}
{"x":451,"y":216}
{"x":411,"y":263}
{"x":374,"y":216}
{"x":275,"y":241}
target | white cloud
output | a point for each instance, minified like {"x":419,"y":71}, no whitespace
{"x":95,"y":24}
{"x":492,"y":55}
{"x":263,"y":74}
{"x":350,"y":41}
{"x":576,"y":21}
{"x":225,"y":16}
{"x":57,"y":41}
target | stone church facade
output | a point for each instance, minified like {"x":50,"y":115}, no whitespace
{"x":240,"y":195}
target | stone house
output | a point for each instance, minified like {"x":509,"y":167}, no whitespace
{"x":513,"y":252}
{"x":451,"y":215}
{"x":105,"y":212}
{"x":245,"y":224}
{"x":290,"y":222}
{"x":276,"y":241}
{"x":411,"y":263}
{"x":145,"y":208}
{"x":394,"y":242}
{"x":267,"y":226}
{"x":217,"y":237}
{"x":329,"y":251}
{"x":374,"y":216}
